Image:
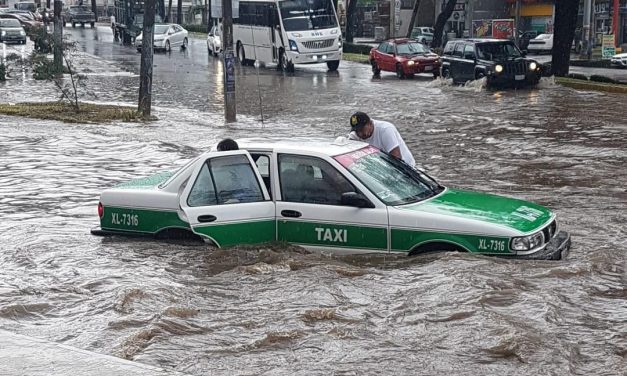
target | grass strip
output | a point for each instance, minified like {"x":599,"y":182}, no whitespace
{"x":358,"y":58}
{"x":591,"y":85}
{"x":60,"y":111}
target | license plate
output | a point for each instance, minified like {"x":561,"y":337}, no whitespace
{"x":519,"y":77}
{"x":428,"y":68}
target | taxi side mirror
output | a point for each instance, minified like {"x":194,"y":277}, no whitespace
{"x":355,"y":199}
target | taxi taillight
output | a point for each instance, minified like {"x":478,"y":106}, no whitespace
{"x":100,"y":210}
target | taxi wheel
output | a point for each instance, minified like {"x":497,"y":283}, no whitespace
{"x":399,"y":71}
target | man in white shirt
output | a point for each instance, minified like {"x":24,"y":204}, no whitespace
{"x":380,"y":134}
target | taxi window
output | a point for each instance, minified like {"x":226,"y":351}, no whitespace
{"x":458,"y":49}
{"x":225,"y":180}
{"x":448,"y":49}
{"x":311,"y":180}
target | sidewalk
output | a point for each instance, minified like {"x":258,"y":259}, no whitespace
{"x":22,"y":355}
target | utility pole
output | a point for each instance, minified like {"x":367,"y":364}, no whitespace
{"x":58,"y":38}
{"x":586,"y":46}
{"x":145,"y":70}
{"x":517,"y":15}
{"x":229,"y":61}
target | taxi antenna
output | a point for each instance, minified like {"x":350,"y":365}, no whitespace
{"x":256,"y":64}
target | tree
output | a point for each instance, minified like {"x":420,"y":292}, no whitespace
{"x":145,"y":70}
{"x":350,"y":19}
{"x":94,"y":8}
{"x":168,"y":15}
{"x":438,"y":29}
{"x":412,"y":21}
{"x":563,"y":34}
{"x":179,"y":12}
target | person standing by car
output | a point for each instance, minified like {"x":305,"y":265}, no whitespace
{"x":380,"y":134}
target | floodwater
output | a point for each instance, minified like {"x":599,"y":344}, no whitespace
{"x":279,"y":310}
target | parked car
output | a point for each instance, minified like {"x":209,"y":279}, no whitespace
{"x":619,"y":60}
{"x":166,"y":36}
{"x":499,"y":60}
{"x":79,"y":14}
{"x":405,"y":57}
{"x":27,"y":24}
{"x":337,"y":196}
{"x":541,"y":43}
{"x":525,"y":37}
{"x":11,"y":30}
{"x":214,"y":40}
{"x":422,"y":34}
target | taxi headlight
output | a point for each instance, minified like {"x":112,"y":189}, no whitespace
{"x":533,"y":66}
{"x":411,"y":62}
{"x":525,"y":243}
{"x":498,"y":68}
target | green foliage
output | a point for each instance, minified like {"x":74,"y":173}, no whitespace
{"x":196,"y":28}
{"x":599,"y":78}
{"x":43,"y":42}
{"x":356,"y":48}
{"x":578,"y":76}
{"x":43,"y":68}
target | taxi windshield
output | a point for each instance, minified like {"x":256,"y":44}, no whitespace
{"x":391,"y":180}
{"x":411,"y":48}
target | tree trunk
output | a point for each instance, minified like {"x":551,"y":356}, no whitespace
{"x":350,"y":15}
{"x":412,"y":20}
{"x":145,"y":71}
{"x":204,"y":14}
{"x":440,"y":22}
{"x":94,"y":8}
{"x":168,"y":16}
{"x":563,"y":34}
{"x":179,"y":12}
{"x":58,"y":38}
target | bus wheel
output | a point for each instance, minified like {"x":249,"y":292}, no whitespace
{"x":286,"y":66}
{"x":241,"y":54}
{"x":333,"y":65}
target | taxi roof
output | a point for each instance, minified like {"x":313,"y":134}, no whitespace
{"x":326,"y":146}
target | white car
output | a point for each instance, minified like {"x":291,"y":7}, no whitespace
{"x":167,"y":36}
{"x":214,"y":40}
{"x":541,"y":43}
{"x":337,"y":196}
{"x":619,"y":60}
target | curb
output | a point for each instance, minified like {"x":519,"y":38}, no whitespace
{"x":587,"y":85}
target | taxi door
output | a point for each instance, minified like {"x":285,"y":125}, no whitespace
{"x":226,"y":202}
{"x":311,"y":212}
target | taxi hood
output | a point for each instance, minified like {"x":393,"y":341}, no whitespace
{"x":516,"y":214}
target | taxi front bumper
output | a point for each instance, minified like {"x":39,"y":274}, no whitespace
{"x":556,"y":249}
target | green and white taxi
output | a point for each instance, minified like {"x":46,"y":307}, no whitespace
{"x":337,"y":196}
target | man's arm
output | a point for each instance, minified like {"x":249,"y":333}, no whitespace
{"x":396,"y":152}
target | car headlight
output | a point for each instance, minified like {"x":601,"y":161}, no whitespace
{"x":498,"y":68}
{"x":411,"y":62}
{"x":339,"y":43}
{"x":533,"y":66}
{"x":22,"y":33}
{"x":293,"y":45}
{"x":525,"y":243}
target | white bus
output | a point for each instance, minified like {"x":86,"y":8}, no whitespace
{"x":287,"y":32}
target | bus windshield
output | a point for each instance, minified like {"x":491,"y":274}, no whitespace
{"x":301,"y":15}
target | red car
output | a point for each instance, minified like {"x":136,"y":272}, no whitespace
{"x":404,"y":56}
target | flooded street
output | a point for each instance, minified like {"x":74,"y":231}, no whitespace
{"x":277,"y":309}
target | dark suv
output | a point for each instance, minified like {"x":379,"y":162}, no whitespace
{"x":500,"y":61}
